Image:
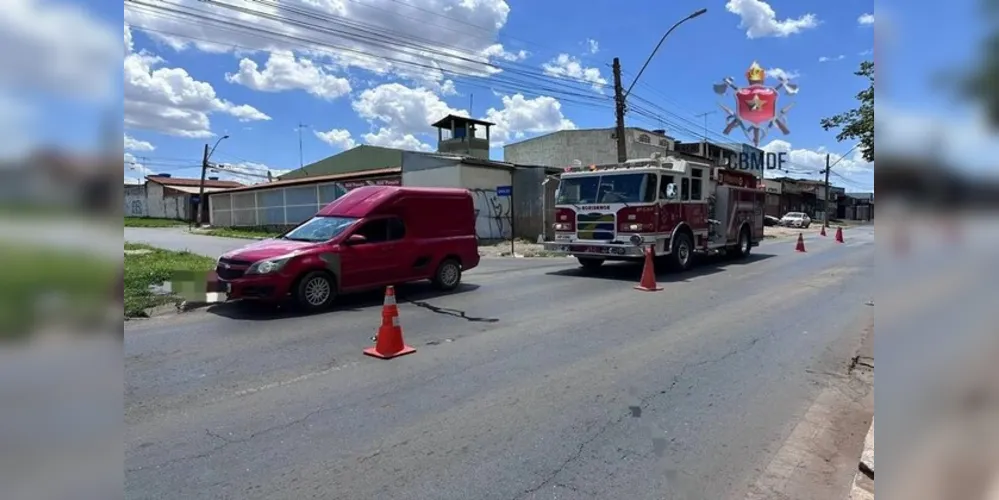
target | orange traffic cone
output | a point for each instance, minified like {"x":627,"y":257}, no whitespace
{"x":823,"y":231}
{"x":800,"y":247}
{"x":839,"y":235}
{"x":648,"y":283}
{"x":388,"y":342}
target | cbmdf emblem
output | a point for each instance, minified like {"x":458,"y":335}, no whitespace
{"x":757,"y":106}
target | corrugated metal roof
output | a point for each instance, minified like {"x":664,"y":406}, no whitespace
{"x":178,"y":181}
{"x":195,"y":189}
{"x":316,"y":179}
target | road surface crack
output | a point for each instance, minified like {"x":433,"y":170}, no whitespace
{"x":452,"y":312}
{"x":572,"y":458}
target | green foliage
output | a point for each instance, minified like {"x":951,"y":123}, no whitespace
{"x":146,"y":266}
{"x":152,"y":222}
{"x":251,"y":233}
{"x":982,"y":84}
{"x":858,"y":123}
{"x":49,"y":285}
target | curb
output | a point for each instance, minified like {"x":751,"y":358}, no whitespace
{"x":863,"y":481}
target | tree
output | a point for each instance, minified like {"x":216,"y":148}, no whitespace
{"x":858,"y":123}
{"x":982,"y":84}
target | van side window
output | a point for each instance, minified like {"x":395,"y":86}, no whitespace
{"x":685,"y":189}
{"x":396,"y":229}
{"x":376,"y":231}
{"x":382,"y":230}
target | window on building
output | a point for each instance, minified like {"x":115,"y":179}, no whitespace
{"x":644,"y":139}
{"x":664,"y":143}
{"x":696,"y":184}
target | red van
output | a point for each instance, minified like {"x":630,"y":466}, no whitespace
{"x":369,"y":238}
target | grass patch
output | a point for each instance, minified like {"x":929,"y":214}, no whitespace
{"x":47,"y":285}
{"x":152,"y":222}
{"x":151,"y":266}
{"x":249,"y":233}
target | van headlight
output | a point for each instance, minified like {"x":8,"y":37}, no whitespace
{"x":268,"y":266}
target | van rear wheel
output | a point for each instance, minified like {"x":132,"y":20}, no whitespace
{"x":448,"y":275}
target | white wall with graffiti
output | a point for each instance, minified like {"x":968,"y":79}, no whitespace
{"x":492,"y":212}
{"x":151,"y":200}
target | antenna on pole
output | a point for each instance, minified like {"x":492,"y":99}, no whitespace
{"x":704,"y":141}
{"x":301,"y":158}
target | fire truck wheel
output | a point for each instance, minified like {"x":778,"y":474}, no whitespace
{"x":590,"y":263}
{"x":745,"y":246}
{"x":683,"y":252}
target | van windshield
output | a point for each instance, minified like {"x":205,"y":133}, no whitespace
{"x":609,"y":188}
{"x":319,"y":228}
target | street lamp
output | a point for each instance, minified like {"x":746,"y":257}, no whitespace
{"x":661,"y":40}
{"x":620,"y":95}
{"x":204,"y":171}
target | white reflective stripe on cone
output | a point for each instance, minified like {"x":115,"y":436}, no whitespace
{"x":390,"y":300}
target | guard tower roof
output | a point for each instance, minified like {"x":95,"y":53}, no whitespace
{"x":447,"y":120}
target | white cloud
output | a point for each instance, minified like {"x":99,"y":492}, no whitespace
{"x":964,"y":139}
{"x":359,"y":34}
{"x":284,"y":72}
{"x":566,"y":66}
{"x":759,"y":20}
{"x":58,"y":48}
{"x":866,"y":52}
{"x":520,"y":116}
{"x":338,"y":138}
{"x":781,"y":73}
{"x":133,"y":144}
{"x":592,"y":46}
{"x":135,"y":171}
{"x":866,"y":19}
{"x":831,"y":59}
{"x":852,"y":172}
{"x":401,"y":114}
{"x":393,"y":138}
{"x":170,"y":101}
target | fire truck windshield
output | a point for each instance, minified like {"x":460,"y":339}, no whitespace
{"x":608,"y":188}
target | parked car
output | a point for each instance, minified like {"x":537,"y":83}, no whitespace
{"x":796,"y":219}
{"x":369,"y":238}
{"x":770,"y":220}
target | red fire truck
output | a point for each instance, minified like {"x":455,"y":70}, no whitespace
{"x":677,"y":205}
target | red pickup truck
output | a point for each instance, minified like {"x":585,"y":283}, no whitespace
{"x":371,"y":237}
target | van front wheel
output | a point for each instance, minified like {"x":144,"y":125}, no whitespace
{"x":316,"y":291}
{"x":448,"y":275}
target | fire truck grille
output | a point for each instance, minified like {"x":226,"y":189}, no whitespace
{"x":595,"y":227}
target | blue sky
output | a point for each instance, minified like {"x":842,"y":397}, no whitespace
{"x":170,"y":112}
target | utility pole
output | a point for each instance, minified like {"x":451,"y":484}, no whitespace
{"x":204,"y":172}
{"x":825,"y":210}
{"x":622,"y":146}
{"x":201,"y":190}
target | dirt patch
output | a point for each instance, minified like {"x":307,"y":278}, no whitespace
{"x":521,"y":248}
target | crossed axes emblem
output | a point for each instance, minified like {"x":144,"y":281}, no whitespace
{"x":733,"y":121}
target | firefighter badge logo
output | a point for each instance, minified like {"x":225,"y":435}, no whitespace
{"x":756,"y":105}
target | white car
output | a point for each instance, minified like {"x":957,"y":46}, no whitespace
{"x":796,"y":219}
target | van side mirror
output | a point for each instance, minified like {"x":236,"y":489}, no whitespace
{"x":671,"y":191}
{"x":357,"y":239}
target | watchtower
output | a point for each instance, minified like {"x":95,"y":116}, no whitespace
{"x":464,"y":136}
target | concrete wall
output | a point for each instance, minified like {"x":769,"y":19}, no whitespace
{"x":597,"y":146}
{"x":152,"y":200}
{"x":419,"y":170}
{"x":135,"y":201}
{"x":492,"y":212}
{"x":534,"y":204}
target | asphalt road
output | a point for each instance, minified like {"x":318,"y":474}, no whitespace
{"x":534,"y":382}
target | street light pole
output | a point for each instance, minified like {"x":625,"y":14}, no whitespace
{"x":204,"y":171}
{"x":620,"y":95}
